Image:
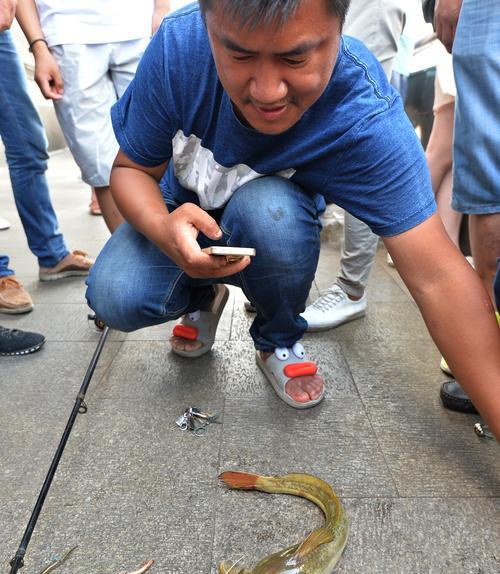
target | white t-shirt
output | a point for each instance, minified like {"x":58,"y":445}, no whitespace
{"x":94,"y":21}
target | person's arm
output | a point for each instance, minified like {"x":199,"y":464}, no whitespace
{"x":7,"y":12}
{"x":137,"y":195}
{"x":456,"y":309}
{"x":161,"y":9}
{"x":446,"y":15}
{"x":47,"y":73}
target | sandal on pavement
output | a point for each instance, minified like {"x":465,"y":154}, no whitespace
{"x":202,"y":325}
{"x":286,"y":364}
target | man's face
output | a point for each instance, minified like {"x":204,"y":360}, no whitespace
{"x":273,"y":75}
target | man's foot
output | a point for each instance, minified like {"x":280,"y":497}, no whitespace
{"x":94,"y":207}
{"x":14,"y":299}
{"x":74,"y":264}
{"x":4,"y":224}
{"x":16,"y":342}
{"x":194,"y":335}
{"x":455,"y":398}
{"x":294,"y":379}
{"x":333,"y":308}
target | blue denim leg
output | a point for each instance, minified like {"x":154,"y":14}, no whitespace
{"x":4,"y":266}
{"x":134,"y":285}
{"x":281,"y":222}
{"x":26,"y":151}
{"x":476,"y":65}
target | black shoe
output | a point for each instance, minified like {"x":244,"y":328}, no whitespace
{"x":454,"y":398}
{"x":16,"y":342}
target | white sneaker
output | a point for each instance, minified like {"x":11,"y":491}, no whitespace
{"x":4,"y":224}
{"x":333,"y":308}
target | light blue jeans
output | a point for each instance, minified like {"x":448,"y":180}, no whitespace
{"x":133,"y":284}
{"x":25,"y":144}
{"x":476,"y":64}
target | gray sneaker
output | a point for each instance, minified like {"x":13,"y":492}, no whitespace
{"x":332,"y":308}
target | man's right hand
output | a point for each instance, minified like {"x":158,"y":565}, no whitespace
{"x":47,"y":72}
{"x":446,"y":16}
{"x":7,"y":12}
{"x":178,"y":241}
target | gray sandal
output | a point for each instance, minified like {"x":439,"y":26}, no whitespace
{"x":202,"y":325}
{"x":286,"y":364}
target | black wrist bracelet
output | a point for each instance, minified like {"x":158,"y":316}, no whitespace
{"x":30,"y":47}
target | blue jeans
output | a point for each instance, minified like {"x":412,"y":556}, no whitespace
{"x":476,"y":65}
{"x":25,"y":144}
{"x":133,"y":284}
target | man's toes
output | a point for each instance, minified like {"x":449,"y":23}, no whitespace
{"x":182,"y":344}
{"x":305,"y":389}
{"x":297,"y":393}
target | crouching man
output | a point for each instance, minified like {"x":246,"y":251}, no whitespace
{"x":241,"y":115}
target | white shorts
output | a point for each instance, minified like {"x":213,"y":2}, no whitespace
{"x":95,"y":76}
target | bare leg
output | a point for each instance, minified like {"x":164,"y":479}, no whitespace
{"x":94,"y":206}
{"x":439,"y":158}
{"x":112,"y":216}
{"x":451,"y":218}
{"x":484,"y":232}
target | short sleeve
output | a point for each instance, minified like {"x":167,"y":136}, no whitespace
{"x":382,"y":177}
{"x":142,"y":117}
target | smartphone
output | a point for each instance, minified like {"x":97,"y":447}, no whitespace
{"x":230,"y":253}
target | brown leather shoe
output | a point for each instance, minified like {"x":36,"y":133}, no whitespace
{"x":14,"y":299}
{"x":74,"y":264}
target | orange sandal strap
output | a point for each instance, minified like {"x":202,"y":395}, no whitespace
{"x":300,"y":369}
{"x":186,"y":332}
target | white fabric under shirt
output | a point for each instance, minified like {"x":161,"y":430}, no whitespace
{"x":94,"y":21}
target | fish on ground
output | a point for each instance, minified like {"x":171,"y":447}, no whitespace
{"x":322,"y":548}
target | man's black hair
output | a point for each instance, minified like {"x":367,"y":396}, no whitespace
{"x":256,"y":12}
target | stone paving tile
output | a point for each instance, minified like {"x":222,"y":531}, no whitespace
{"x":275,"y":439}
{"x":117,"y":532}
{"x":384,"y":322}
{"x":69,"y":290}
{"x":68,"y":322}
{"x":387,"y":535}
{"x":38,"y":395}
{"x":149,"y":369}
{"x":102,"y":458}
{"x":433,"y":452}
{"x":401,"y":370}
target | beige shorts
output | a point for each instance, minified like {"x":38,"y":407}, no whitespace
{"x":444,"y":85}
{"x":95,"y":76}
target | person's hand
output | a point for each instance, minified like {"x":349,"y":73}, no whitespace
{"x":180,"y":230}
{"x":7,"y":13}
{"x":47,"y":73}
{"x":446,"y":16}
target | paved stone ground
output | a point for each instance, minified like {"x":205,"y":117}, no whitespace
{"x":420,"y":489}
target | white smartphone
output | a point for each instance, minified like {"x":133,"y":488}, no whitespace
{"x":230,"y":253}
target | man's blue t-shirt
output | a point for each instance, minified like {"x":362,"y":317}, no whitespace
{"x":354,"y":145}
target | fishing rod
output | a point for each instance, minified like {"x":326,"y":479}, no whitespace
{"x":79,"y":408}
